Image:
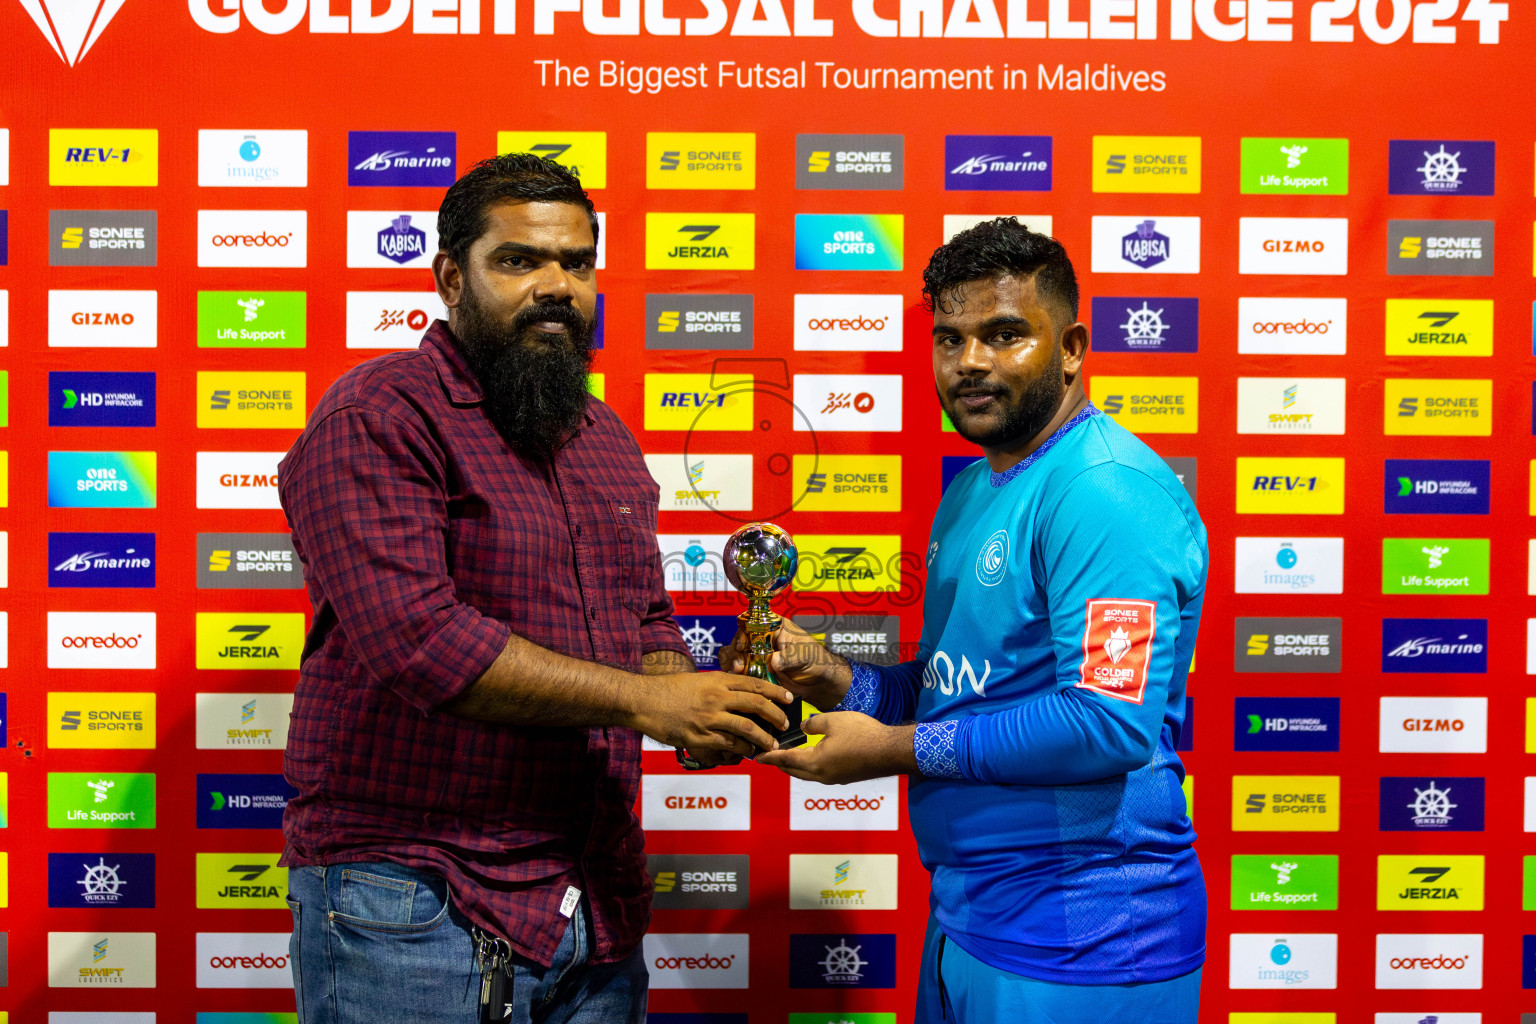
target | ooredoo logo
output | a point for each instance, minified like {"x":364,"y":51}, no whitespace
{"x":252,"y":238}
{"x":1268,"y":326}
{"x":862,"y":806}
{"x":852,"y":803}
{"x":848,"y":323}
{"x":115,"y":640}
{"x":687,"y":802}
{"x":243,"y":960}
{"x":697,"y":961}
{"x":1429,"y":961}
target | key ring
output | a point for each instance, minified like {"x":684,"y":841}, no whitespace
{"x":689,"y":762}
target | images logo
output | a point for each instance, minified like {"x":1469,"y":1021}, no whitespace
{"x":585,"y":153}
{"x":243,"y":960}
{"x":1149,"y":405}
{"x":1439,"y":327}
{"x":1429,"y":882}
{"x":101,"y":479}
{"x":1439,"y":167}
{"x":252,"y":238}
{"x":1285,"y":882}
{"x":1146,"y":163}
{"x":1427,"y":565}
{"x":103,"y":238}
{"x":690,"y":241}
{"x":1437,"y":486}
{"x":1146,"y":324}
{"x":101,"y":800}
{"x":391,"y":319}
{"x":1288,"y":645}
{"x":1446,"y":248}
{"x":686,"y":321}
{"x":1293,"y":245}
{"x":1285,"y":803}
{"x":1434,"y":645}
{"x":1290,"y":405}
{"x":401,"y":159}
{"x":842,"y":961}
{"x":249,"y":640}
{"x":701,"y":160}
{"x":1433,"y":805}
{"x":696,"y":961}
{"x":1286,"y":723}
{"x":103,"y":156}
{"x":251,"y":319}
{"x":850,"y":401}
{"x":691,"y":563}
{"x":867,"y":162}
{"x":1288,"y":961}
{"x":1424,"y":407}
{"x":997,"y":163}
{"x":1434,"y":725}
{"x":694,"y":481}
{"x":849,"y":241}
{"x":101,"y":880}
{"x":1163,"y":245}
{"x":683,"y":802}
{"x":237,"y":479}
{"x":102,"y":319}
{"x":101,"y":959}
{"x":1318,"y":167}
{"x":699,"y":881}
{"x":241,"y":881}
{"x":689,"y":401}
{"x":247,"y":561}
{"x":1429,"y":961}
{"x":242,"y":801}
{"x":101,"y":399}
{"x":1296,"y":565}
{"x":858,"y":807}
{"x":252,"y":159}
{"x":848,"y":323}
{"x":233,"y":721}
{"x":1290,"y":486}
{"x":101,"y":721}
{"x":847,"y":483}
{"x":247,"y":400}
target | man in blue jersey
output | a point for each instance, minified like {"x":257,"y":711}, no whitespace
{"x":1038,"y":723}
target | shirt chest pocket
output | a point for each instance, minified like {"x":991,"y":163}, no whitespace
{"x":630,"y":528}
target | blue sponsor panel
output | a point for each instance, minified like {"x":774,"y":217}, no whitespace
{"x":705,"y":635}
{"x":401,"y":158}
{"x":1434,"y":645}
{"x":1527,"y":963}
{"x":1286,"y":723}
{"x":997,"y":163}
{"x":842,"y":960}
{"x":1144,"y":324}
{"x":4,"y":720}
{"x":82,"y":399}
{"x":1438,"y":804}
{"x":101,"y":880}
{"x":1439,"y":167}
{"x":1455,"y":487}
{"x":101,"y":560}
{"x":242,"y":801}
{"x":597,"y":323}
{"x":952,"y":466}
{"x":1187,"y":736}
{"x":5,"y":237}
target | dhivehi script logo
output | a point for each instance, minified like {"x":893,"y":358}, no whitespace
{"x":70,"y":26}
{"x":992,"y":561}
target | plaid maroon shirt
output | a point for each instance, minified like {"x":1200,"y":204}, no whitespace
{"x":425,"y":539}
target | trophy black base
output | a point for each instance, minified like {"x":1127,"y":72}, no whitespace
{"x":793,"y":736}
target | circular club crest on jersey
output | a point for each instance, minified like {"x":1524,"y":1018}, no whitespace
{"x":992,"y":562}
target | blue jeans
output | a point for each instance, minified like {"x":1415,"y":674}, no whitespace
{"x":381,"y":943}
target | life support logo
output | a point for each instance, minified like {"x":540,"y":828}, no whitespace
{"x":1117,"y":642}
{"x":992,"y":561}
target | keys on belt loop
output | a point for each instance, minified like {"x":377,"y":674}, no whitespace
{"x":494,"y":957}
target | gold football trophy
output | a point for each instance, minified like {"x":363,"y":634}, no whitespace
{"x":760,"y":561}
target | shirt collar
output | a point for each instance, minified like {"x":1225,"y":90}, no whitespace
{"x":999,"y":479}
{"x":458,"y":380}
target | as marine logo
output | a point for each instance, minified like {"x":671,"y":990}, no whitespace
{"x":1117,"y":643}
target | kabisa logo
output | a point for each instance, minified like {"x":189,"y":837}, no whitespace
{"x":72,"y":27}
{"x":251,"y":319}
{"x":1146,"y":247}
{"x":1437,"y":486}
{"x":1283,"y":962}
{"x":1289,"y":882}
{"x":705,"y":635}
{"x":1290,"y":486}
{"x":1286,"y":723}
{"x":101,"y":399}
{"x":997,"y":163}
{"x":269,"y":640}
{"x":247,"y":561}
{"x":699,"y":881}
{"x":701,"y":160}
{"x":1431,"y":804}
{"x":101,"y":721}
{"x":1439,"y":327}
{"x":231,"y":721}
{"x":1429,"y":565}
{"x":691,"y":241}
{"x":247,"y":400}
{"x":1149,"y":405}
{"x":103,"y":156}
{"x":1285,"y":803}
{"x":101,"y":800}
{"x":1418,"y":961}
{"x":687,"y":321}
{"x":1287,"y":645}
{"x":848,"y":323}
{"x":847,"y":483}
{"x":842,"y":961}
{"x":242,"y":960}
{"x":1296,"y":565}
{"x":1448,"y":248}
{"x":1429,"y":882}
{"x":1434,"y":725}
{"x":696,"y":961}
{"x":1434,"y":645}
{"x":584,"y":153}
{"x":252,"y":238}
{"x":401,"y":158}
{"x":1440,"y":167}
{"x":1146,"y":163}
{"x":98,"y":880}
{"x":1422,"y":406}
{"x":849,"y":241}
{"x":1293,"y":245}
{"x":400,"y":242}
{"x":390,"y":239}
{"x":1146,"y":324}
{"x":864,"y":162}
{"x":96,"y":959}
{"x":391,"y":319}
{"x":242,"y":801}
{"x":103,"y":238}
{"x":1295,"y":167}
{"x":1161,"y":245}
{"x":241,"y":881}
{"x":252,"y":159}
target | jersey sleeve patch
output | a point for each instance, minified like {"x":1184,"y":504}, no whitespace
{"x":1117,"y":647}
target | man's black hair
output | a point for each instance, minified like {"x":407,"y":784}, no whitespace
{"x":994,"y":248}
{"x":510,"y":177}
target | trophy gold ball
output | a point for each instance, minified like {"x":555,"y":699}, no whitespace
{"x":760,"y":561}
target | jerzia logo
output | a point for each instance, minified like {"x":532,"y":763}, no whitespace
{"x":71,"y":26}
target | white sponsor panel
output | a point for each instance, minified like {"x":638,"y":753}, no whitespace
{"x":1283,"y":960}
{"x":602,"y":241}
{"x":243,"y":721}
{"x":1530,"y":569}
{"x":252,"y":238}
{"x":1530,"y":803}
{"x":252,"y":159}
{"x":391,"y":319}
{"x":848,"y":323}
{"x":692,"y":562}
{"x":1290,"y":565}
{"x":243,"y":960}
{"x":5,"y":639}
{"x":99,"y":1017}
{"x":100,"y":318}
{"x":5,"y":318}
{"x":954,"y":223}
{"x":848,"y":401}
{"x":5,"y":156}
{"x":1146,"y":245}
{"x":843,"y":881}
{"x":695,"y":803}
{"x":696,"y":961}
{"x":237,"y":479}
{"x":1434,"y":725}
{"x":695,"y":480}
{"x":5,"y":559}
{"x":391,"y":239}
{"x":1530,"y":647}
{"x":1420,"y":1018}
{"x":1293,"y":245}
{"x":871,"y":806}
{"x":1290,"y":405}
{"x":1292,"y":327}
{"x":107,"y":960}
{"x":1429,"y":961}
{"x":112,"y":640}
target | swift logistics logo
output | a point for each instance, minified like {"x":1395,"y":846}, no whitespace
{"x":687,"y":321}
{"x":71,"y":28}
{"x":248,"y":561}
{"x":1143,"y":324}
{"x":700,"y":241}
{"x":847,"y":483}
{"x":103,"y":238}
{"x":237,"y":479}
{"x":997,"y":163}
{"x":250,"y":400}
{"x":701,"y":160}
{"x":1419,"y":407}
{"x":1437,"y":804}
{"x":1434,"y":645}
{"x":101,"y":479}
{"x":247,"y":640}
{"x":1439,"y":167}
{"x":1439,"y":327}
{"x":100,"y":318}
{"x":101,"y":721}
{"x":1288,"y":961}
{"x":1290,"y":486}
{"x":1285,"y":803}
{"x":97,"y":880}
{"x":101,"y":800}
{"x":685,"y":881}
{"x":242,"y":801}
{"x":1286,"y":724}
{"x":1285,"y":881}
{"x":702,"y":481}
{"x":101,"y":560}
{"x":842,"y":960}
{"x":850,"y":162}
{"x":865,"y":402}
{"x":1149,"y":405}
{"x":391,"y":240}
{"x":1434,"y":725}
{"x":1435,"y":881}
{"x":407,"y":159}
{"x":849,"y":241}
{"x":1139,"y":245}
{"x":1434,"y":565}
{"x":1288,"y":645}
{"x":113,"y":157}
{"x":238,"y":721}
{"x":584,"y":153}
{"x":1437,"y":486}
{"x":690,"y":803}
{"x":99,"y":399}
{"x":702,"y":401}
{"x":1290,"y":405}
{"x":252,"y":319}
{"x":1288,"y":167}
{"x":848,"y":323}
{"x":252,"y":159}
{"x":1289,"y":565}
{"x":842,"y":881}
{"x":1146,"y":163}
{"x":1443,"y":248}
{"x":241,"y":881}
{"x":101,"y":959}
{"x":1293,"y":245}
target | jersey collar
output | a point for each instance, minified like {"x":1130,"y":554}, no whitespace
{"x":1000,"y":479}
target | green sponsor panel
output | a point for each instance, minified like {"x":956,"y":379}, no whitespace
{"x":945,"y":424}
{"x":1528,"y":889}
{"x":101,"y":800}
{"x":1285,"y":881}
{"x":251,"y":319}
{"x":5,"y":398}
{"x":1295,"y":167}
{"x":1434,"y":565}
{"x":842,"y":1017}
{"x":247,"y":1018}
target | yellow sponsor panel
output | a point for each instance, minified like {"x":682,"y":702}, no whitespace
{"x":1415,"y":406}
{"x":241,"y":881}
{"x":1530,"y":725}
{"x":1290,"y":486}
{"x":597,"y":383}
{"x":101,"y":721}
{"x":1189,"y":795}
{"x":1146,"y":163}
{"x":585,"y":153}
{"x":1282,"y":1018}
{"x":848,"y":563}
{"x":1429,"y":881}
{"x":1149,"y":405}
{"x":103,"y":156}
{"x":1439,"y":327}
{"x":247,"y":400}
{"x":698,"y":401}
{"x":713,"y":160}
{"x":5,"y":481}
{"x":5,"y":879}
{"x":847,"y":483}
{"x":1533,"y":485}
{"x":700,"y":241}
{"x":1285,"y":803}
{"x":249,"y":640}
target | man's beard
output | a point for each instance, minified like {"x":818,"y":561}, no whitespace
{"x":535,"y":383}
{"x":1022,"y":419}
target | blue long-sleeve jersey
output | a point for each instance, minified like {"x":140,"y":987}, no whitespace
{"x":1062,"y":605}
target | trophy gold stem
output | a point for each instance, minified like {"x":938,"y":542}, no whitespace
{"x":760,"y":623}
